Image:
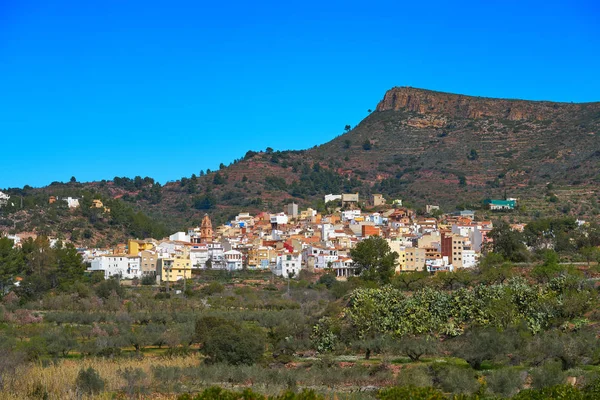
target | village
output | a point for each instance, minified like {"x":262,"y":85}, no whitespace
{"x":293,"y":240}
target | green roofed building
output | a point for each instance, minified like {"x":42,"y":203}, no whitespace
{"x":500,"y":204}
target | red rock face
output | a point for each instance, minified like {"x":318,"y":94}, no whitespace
{"x":454,"y":105}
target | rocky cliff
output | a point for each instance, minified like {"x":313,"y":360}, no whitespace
{"x":455,"y":105}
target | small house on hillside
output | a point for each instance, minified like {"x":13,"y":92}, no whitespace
{"x":496,"y":205}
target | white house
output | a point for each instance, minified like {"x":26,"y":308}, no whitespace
{"x":327,"y":231}
{"x":279,"y":219}
{"x":343,"y":268}
{"x":350,"y":215}
{"x":233,"y":260}
{"x":244,"y":220}
{"x":180,"y":237}
{"x":325,"y":258}
{"x":463,"y":230}
{"x":332,"y":197}
{"x":127,"y":267}
{"x":216,"y":255}
{"x":469,"y":258}
{"x":199,"y":256}
{"x":288,"y":265}
{"x":438,"y":264}
{"x":72,"y":202}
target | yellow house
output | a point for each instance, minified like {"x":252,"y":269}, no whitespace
{"x":260,"y":257}
{"x":134,"y":247}
{"x":173,"y":269}
{"x":415,"y":259}
{"x":399,"y":248}
{"x":401,"y":263}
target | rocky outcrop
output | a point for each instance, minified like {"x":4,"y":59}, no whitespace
{"x":455,"y":105}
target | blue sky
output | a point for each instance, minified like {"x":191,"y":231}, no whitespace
{"x":165,"y":89}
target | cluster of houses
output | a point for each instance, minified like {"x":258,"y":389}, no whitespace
{"x":290,"y":241}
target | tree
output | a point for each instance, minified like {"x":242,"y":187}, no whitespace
{"x":479,"y":345}
{"x":549,"y":269}
{"x":414,"y":347}
{"x":590,"y":253}
{"x":73,"y":180}
{"x":234,"y":344}
{"x":408,"y":280}
{"x":473,"y":155}
{"x":218,"y":179}
{"x":494,"y":269}
{"x":367,"y":145}
{"x":508,"y":242}
{"x":374,"y":260}
{"x":347,"y":128}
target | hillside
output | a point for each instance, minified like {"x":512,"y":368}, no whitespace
{"x":449,"y":149}
{"x":422,"y":146}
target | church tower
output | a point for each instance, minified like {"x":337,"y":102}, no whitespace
{"x":206,"y":231}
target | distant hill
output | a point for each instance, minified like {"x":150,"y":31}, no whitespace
{"x":422,"y":146}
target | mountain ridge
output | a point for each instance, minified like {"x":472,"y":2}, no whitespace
{"x":426,"y":101}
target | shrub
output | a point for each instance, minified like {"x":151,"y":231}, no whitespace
{"x":148,"y":280}
{"x":549,"y":374}
{"x":456,"y":380}
{"x":328,"y":280}
{"x":415,"y":376}
{"x":410,"y":392}
{"x":107,"y":287}
{"x":134,"y":380}
{"x":212,"y":288}
{"x":89,"y":382}
{"x":234,"y":345}
{"x":551,"y":393}
{"x":505,"y":382}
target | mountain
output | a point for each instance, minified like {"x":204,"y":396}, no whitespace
{"x":422,"y":146}
{"x":425,"y":144}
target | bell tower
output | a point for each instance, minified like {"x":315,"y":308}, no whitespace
{"x":206,"y":231}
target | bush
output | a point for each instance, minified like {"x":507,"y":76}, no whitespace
{"x":549,"y":374}
{"x":551,"y":393}
{"x":212,"y":288}
{"x":415,"y":376}
{"x":148,"y":280}
{"x":89,"y":382}
{"x":410,"y":392}
{"x":234,"y":345}
{"x":456,"y":380}
{"x":107,"y":287}
{"x":505,"y":382}
{"x":328,"y":280}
